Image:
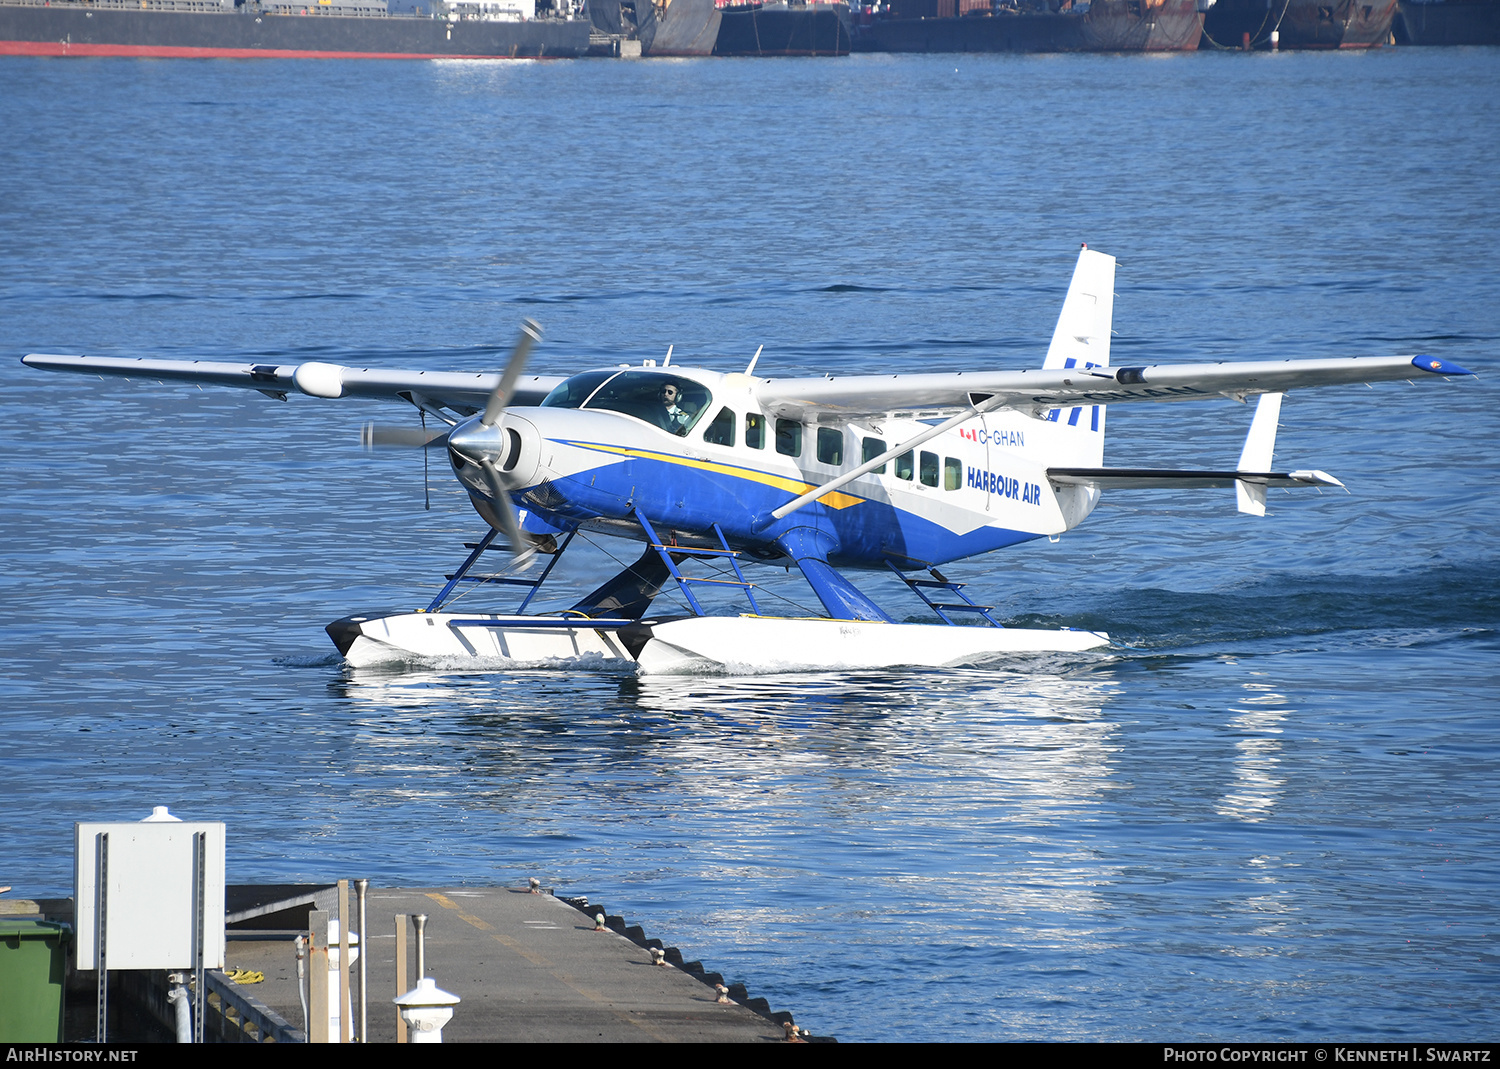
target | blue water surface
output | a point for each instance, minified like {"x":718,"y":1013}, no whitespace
{"x":1269,"y":814}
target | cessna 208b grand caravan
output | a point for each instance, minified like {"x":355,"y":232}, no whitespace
{"x":897,"y":473}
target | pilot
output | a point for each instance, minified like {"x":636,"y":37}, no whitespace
{"x":672,"y":418}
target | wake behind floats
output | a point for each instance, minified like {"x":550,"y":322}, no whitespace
{"x":890,"y":473}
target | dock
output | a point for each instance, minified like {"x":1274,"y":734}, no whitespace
{"x":529,"y":967}
{"x":526,"y":965}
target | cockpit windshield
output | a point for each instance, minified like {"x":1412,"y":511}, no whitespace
{"x":670,"y":402}
{"x":573,"y":392}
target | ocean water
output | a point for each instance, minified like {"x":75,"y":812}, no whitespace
{"x":1268,"y":813}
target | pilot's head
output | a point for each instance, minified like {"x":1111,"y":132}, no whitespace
{"x":669,"y":393}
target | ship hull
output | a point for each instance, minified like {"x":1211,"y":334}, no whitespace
{"x":675,"y":28}
{"x":1451,"y":22}
{"x":683,"y":28}
{"x":784,"y":30}
{"x":1300,"y":24}
{"x":1107,"y":26}
{"x":61,"y":30}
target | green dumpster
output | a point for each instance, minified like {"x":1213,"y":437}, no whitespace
{"x":33,"y":958}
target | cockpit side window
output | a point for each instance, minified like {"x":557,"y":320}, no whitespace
{"x":721,"y":430}
{"x":670,"y":402}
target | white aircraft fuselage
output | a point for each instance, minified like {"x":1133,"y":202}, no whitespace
{"x":978,"y":487}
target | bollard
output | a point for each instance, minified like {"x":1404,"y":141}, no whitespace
{"x":343,"y":950}
{"x":426,"y":1009}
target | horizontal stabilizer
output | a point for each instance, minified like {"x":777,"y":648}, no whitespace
{"x":1174,"y":479}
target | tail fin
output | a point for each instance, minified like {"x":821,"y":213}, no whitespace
{"x":1081,"y":340}
{"x":1082,"y":334}
{"x":1260,"y":449}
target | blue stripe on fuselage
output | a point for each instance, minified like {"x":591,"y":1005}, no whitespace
{"x":674,"y":496}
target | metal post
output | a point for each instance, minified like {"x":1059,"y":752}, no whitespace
{"x":317,"y":977}
{"x":364,"y":953}
{"x":401,"y":984}
{"x":346,"y":1026}
{"x":101,"y":942}
{"x":421,"y":922}
{"x":200,"y":878}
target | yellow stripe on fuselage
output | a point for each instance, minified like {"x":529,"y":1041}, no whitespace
{"x":796,"y":487}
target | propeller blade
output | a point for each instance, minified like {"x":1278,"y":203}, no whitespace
{"x":375,"y":436}
{"x":522,"y":551}
{"x":531,"y":333}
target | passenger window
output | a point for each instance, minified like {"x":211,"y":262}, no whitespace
{"x":953,"y":473}
{"x":904,"y":465}
{"x":789,"y":437}
{"x":929,"y":469}
{"x":755,"y":430}
{"x":830,"y":446}
{"x":721,"y":430}
{"x":871,"y":449}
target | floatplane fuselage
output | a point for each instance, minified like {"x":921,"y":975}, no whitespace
{"x":901,"y":473}
{"x":730,"y":464}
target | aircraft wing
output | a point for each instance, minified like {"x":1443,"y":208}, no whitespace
{"x":463,"y":392}
{"x":833,"y":399}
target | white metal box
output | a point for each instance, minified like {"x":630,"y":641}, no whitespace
{"x":151,"y":895}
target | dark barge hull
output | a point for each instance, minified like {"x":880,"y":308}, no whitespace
{"x":84,"y":30}
{"x":1303,"y":24}
{"x":784,"y":30}
{"x":663,"y":27}
{"x":1107,"y":26}
{"x":1450,"y":22}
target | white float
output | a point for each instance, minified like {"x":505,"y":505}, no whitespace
{"x":749,"y":644}
{"x":479,"y":637}
{"x":758,"y":644}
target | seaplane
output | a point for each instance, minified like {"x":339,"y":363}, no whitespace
{"x":890,"y":473}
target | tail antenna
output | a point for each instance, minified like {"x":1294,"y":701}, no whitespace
{"x":751,"y":369}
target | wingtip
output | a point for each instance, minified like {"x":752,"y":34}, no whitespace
{"x":1434,"y":365}
{"x":1316,"y":477}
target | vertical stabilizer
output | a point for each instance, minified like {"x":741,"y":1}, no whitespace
{"x":1260,"y":447}
{"x":1081,"y":340}
{"x":1082,"y":334}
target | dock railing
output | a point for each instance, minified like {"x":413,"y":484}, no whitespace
{"x":231,"y":1016}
